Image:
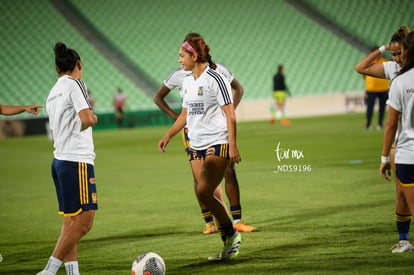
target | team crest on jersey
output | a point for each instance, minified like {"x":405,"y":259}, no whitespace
{"x":200,"y":91}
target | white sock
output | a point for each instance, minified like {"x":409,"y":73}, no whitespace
{"x":72,"y":268}
{"x":278,"y":114}
{"x":53,"y":265}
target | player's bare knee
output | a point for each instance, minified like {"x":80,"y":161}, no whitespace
{"x":85,"y":227}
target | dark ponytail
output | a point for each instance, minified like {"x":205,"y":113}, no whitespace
{"x":65,"y":58}
{"x":408,"y":45}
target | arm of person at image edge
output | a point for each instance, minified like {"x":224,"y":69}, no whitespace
{"x":163,"y":91}
{"x":367,"y":66}
{"x":9,"y":110}
{"x":389,"y":135}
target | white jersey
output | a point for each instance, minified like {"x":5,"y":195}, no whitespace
{"x":175,"y":79}
{"x":402,"y":100}
{"x":203,"y":98}
{"x":391,"y":68}
{"x":66,"y":99}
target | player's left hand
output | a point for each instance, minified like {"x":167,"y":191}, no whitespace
{"x":385,"y":171}
{"x":234,"y":155}
{"x":162,"y":144}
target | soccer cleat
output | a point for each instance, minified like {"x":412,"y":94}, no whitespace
{"x":210,"y":228}
{"x":216,"y":257}
{"x":230,"y":250}
{"x":45,"y":272}
{"x":219,"y":257}
{"x":402,"y":246}
{"x":242,"y":227}
{"x":285,"y":122}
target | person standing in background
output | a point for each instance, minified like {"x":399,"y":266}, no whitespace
{"x":280,"y":92}
{"x":375,"y":88}
{"x":119,"y":103}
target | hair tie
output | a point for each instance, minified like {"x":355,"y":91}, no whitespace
{"x":189,"y":48}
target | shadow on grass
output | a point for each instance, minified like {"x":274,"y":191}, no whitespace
{"x":319,"y":213}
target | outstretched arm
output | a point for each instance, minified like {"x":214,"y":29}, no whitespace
{"x":9,"y":110}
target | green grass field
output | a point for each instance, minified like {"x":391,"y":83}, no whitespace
{"x":337,"y":218}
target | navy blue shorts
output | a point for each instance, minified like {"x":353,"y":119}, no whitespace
{"x":405,"y":173}
{"x":220,"y":150}
{"x":75,"y":187}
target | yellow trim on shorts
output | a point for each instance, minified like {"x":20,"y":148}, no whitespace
{"x":71,"y":214}
{"x":186,"y":142}
{"x":406,"y":184}
{"x":83,"y":183}
{"x":224,"y":150}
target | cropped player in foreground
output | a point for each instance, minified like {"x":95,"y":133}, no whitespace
{"x":71,"y":118}
{"x":389,"y":70}
{"x":208,"y":112}
{"x":175,"y":80}
{"x":400,"y":122}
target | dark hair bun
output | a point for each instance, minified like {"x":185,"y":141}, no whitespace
{"x":65,"y":59}
{"x":60,"y":49}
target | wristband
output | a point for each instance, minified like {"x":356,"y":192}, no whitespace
{"x":382,"y":49}
{"x":385,"y":159}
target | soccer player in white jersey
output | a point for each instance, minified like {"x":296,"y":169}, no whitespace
{"x":400,"y":122}
{"x":175,"y":80}
{"x":208,"y":112}
{"x":389,"y":70}
{"x":70,"y":119}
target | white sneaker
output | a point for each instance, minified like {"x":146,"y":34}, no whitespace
{"x":402,"y":246}
{"x":45,"y":272}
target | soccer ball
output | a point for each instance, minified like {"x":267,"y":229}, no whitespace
{"x":148,"y":264}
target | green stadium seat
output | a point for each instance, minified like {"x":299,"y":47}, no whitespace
{"x":250,"y":37}
{"x":27,"y":58}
